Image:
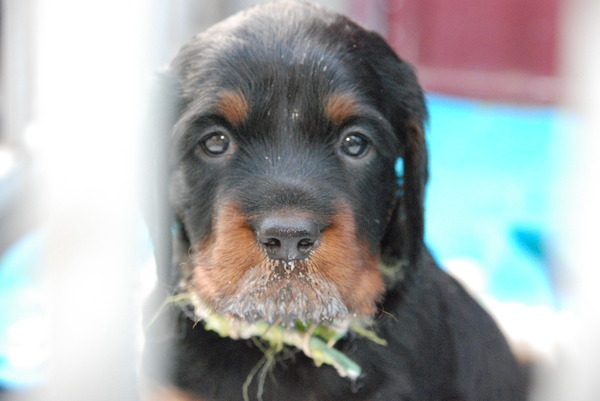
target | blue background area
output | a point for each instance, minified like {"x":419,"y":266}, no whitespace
{"x":19,"y":301}
{"x":491,"y":172}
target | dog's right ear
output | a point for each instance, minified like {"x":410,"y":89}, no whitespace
{"x":163,"y":110}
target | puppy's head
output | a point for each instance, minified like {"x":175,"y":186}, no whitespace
{"x":283,"y":178}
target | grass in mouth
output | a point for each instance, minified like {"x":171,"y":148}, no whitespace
{"x":316,"y":341}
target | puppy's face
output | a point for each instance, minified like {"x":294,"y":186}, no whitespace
{"x":283,"y":162}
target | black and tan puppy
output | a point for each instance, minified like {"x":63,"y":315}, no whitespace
{"x":290,"y":121}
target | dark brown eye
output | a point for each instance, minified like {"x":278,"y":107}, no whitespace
{"x":354,"y":145}
{"x":216,"y":143}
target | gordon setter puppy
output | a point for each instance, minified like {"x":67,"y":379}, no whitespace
{"x":296,"y":182}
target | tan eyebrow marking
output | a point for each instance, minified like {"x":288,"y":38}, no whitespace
{"x":232,"y":105}
{"x":339,"y":107}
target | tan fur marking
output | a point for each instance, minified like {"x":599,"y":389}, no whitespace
{"x":230,"y":264}
{"x":225,"y":257}
{"x":339,"y":107}
{"x":349,"y":265}
{"x":233,"y":106}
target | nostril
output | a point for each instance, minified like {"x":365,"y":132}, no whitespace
{"x":272,"y":244}
{"x":306,"y":245}
{"x":287,"y":237}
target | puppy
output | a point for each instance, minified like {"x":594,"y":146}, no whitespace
{"x":290,"y":213}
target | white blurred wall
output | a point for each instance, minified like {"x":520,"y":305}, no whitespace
{"x":577,"y":209}
{"x":88,"y":94}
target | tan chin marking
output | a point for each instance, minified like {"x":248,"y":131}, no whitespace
{"x":231,"y":273}
{"x":345,"y":261}
{"x":224,"y":258}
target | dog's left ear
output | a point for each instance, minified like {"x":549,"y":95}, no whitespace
{"x":403,"y":243}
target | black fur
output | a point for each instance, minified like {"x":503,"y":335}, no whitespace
{"x":287,"y":58}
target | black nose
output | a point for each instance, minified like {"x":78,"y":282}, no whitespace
{"x":289,"y":237}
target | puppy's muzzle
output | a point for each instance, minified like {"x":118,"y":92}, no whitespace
{"x":287,"y":238}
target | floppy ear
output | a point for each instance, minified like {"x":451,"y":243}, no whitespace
{"x":403,"y":243}
{"x":163,"y":111}
{"x":412,"y":195}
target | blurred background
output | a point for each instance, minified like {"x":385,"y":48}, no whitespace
{"x":513,"y":89}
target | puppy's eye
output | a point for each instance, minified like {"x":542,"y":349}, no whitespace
{"x":216,"y":143}
{"x":354,"y":145}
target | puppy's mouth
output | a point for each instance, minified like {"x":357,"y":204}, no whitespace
{"x":284,"y":292}
{"x":237,"y":276}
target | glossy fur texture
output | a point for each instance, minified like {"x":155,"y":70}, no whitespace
{"x":289,"y":121}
